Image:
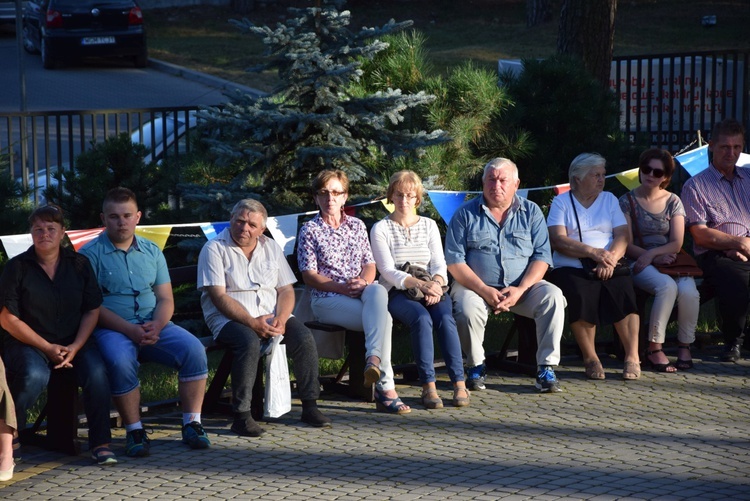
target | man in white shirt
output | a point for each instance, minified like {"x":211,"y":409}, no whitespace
{"x":247,"y":299}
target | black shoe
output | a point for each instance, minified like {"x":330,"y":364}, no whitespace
{"x":314,"y":417}
{"x":247,"y":427}
{"x":731,"y":353}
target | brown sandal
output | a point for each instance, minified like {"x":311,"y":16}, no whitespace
{"x":461,"y":401}
{"x":594,"y":370}
{"x":631,"y":371}
{"x":431,"y":399}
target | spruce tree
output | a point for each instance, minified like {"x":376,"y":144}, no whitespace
{"x":315,"y":119}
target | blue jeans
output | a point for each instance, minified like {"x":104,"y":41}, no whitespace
{"x":421,"y":319}
{"x":246,"y":352}
{"x":176,"y":348}
{"x":29,"y":371}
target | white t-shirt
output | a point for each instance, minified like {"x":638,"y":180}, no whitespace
{"x":597,"y":223}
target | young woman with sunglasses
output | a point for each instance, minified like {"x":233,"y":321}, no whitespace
{"x":657,"y":235}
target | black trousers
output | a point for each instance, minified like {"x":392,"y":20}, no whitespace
{"x":731,"y":282}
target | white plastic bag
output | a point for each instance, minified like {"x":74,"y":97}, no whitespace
{"x":278,"y":399}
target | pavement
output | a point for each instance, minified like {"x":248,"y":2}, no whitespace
{"x":665,"y":436}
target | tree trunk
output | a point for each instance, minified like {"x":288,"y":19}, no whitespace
{"x":587,"y":30}
{"x":538,"y":12}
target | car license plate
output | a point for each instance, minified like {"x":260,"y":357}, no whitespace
{"x":97,"y":40}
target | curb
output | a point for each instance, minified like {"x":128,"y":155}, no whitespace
{"x":202,"y":78}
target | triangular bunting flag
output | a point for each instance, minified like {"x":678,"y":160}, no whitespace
{"x":157,"y":234}
{"x":629,"y":178}
{"x":447,"y":202}
{"x":80,"y":237}
{"x":694,"y":161}
{"x":16,"y":244}
{"x":284,"y":231}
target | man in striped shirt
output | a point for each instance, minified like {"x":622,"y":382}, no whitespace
{"x":717,"y":204}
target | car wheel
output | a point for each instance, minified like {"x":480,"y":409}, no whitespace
{"x":141,"y":60}
{"x":48,"y":61}
{"x":28,"y":44}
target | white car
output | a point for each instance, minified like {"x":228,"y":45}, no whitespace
{"x":173,"y":127}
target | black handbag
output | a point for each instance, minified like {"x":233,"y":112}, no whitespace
{"x":622,"y":268}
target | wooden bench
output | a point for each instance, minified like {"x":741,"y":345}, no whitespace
{"x":354,"y":363}
{"x":521,"y":360}
{"x":524,"y":330}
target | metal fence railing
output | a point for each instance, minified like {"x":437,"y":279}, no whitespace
{"x":666,"y":98}
{"x":40,"y":143}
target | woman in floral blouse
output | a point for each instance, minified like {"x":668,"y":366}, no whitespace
{"x":336,"y":262}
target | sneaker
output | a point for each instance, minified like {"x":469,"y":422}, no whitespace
{"x":195,"y":436}
{"x":546,"y":381}
{"x":475,"y":378}
{"x":137,"y":443}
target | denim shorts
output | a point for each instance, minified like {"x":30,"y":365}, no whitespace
{"x":176,"y":348}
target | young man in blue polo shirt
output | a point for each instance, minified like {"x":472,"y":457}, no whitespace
{"x":135,"y":322}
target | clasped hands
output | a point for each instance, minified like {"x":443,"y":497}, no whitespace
{"x":432,"y":291}
{"x":648,"y":258}
{"x":502,"y":300}
{"x":742,"y":254}
{"x":268,"y":326}
{"x":61,"y":356}
{"x":355,"y":287}
{"x":607,"y":260}
{"x":145,"y":334}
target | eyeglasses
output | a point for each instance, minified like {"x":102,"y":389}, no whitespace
{"x":404,"y":196}
{"x":334,"y":194}
{"x":657,"y":173}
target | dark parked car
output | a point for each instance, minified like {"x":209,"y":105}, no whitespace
{"x":64,"y":30}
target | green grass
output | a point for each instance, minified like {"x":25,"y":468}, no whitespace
{"x":480,"y":30}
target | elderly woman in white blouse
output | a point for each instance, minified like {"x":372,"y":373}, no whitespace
{"x":417,"y":294}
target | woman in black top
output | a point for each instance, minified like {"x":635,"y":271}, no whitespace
{"x":50,"y":305}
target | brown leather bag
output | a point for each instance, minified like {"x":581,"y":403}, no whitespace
{"x":683,"y":266}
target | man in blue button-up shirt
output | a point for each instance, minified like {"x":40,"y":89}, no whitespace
{"x":497,"y":250}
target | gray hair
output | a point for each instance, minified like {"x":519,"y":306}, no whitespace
{"x":249,"y":205}
{"x":582,"y":164}
{"x":498,"y":163}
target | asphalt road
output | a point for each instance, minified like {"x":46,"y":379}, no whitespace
{"x":95,"y":85}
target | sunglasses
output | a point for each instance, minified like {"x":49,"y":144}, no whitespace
{"x":656,"y":172}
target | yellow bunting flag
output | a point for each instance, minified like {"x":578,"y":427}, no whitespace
{"x":157,"y":234}
{"x":389,"y":207}
{"x":629,"y":178}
